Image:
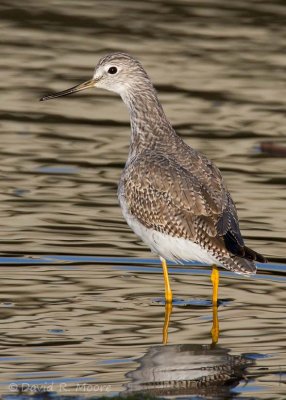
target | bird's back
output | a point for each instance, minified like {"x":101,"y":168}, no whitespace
{"x":177,"y":191}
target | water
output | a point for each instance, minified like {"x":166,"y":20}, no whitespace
{"x":76,"y":310}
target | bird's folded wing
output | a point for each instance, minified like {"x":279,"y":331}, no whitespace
{"x":188,"y":202}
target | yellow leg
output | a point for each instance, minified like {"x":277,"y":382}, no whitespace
{"x":215,"y":282}
{"x":168,"y":311}
{"x":168,"y":291}
{"x":215,"y":327}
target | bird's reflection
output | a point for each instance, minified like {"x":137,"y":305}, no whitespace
{"x":214,"y":330}
{"x":189,"y":369}
{"x":202,"y":370}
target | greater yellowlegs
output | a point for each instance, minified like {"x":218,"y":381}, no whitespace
{"x":173,"y":197}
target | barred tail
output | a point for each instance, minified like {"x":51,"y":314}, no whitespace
{"x":238,"y":264}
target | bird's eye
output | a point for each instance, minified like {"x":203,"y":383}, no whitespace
{"x":112,"y":70}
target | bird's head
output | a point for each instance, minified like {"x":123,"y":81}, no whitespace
{"x":117,"y":72}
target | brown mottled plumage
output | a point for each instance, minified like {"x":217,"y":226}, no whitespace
{"x":168,"y":190}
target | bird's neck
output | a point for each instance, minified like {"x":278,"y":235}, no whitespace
{"x":150,"y":127}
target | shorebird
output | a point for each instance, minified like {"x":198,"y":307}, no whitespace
{"x":172,"y":196}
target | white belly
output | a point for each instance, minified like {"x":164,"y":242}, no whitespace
{"x":168,"y":247}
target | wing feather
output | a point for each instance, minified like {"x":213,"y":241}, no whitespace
{"x":172,"y":198}
{"x":168,"y":196}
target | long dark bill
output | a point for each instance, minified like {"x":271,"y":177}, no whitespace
{"x":74,"y":89}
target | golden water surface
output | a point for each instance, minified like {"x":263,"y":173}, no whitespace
{"x":76,"y":311}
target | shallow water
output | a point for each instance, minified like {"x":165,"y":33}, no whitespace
{"x":75,"y":307}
